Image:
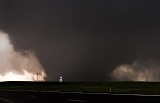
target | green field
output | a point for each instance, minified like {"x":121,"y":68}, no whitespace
{"x":98,"y":87}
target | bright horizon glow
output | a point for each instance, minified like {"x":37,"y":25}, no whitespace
{"x":19,"y":77}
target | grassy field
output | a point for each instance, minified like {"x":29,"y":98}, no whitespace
{"x":98,"y":87}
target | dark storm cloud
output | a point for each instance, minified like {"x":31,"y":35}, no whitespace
{"x":83,"y":40}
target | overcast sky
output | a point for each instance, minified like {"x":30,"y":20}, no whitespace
{"x":83,"y":40}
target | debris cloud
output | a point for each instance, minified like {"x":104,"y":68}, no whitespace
{"x":139,"y":70}
{"x":17,"y":65}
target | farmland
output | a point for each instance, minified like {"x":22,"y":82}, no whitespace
{"x":125,"y":87}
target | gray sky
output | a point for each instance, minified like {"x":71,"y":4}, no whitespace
{"x":83,"y":40}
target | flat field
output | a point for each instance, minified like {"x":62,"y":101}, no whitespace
{"x":87,"y":87}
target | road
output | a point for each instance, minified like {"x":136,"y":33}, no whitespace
{"x":61,"y":97}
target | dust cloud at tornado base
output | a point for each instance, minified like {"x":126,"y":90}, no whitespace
{"x":139,"y":70}
{"x":17,"y":65}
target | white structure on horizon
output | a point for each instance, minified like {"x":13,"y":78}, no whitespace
{"x":60,"y":79}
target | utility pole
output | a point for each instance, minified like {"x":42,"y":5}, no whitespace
{"x":146,"y":79}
